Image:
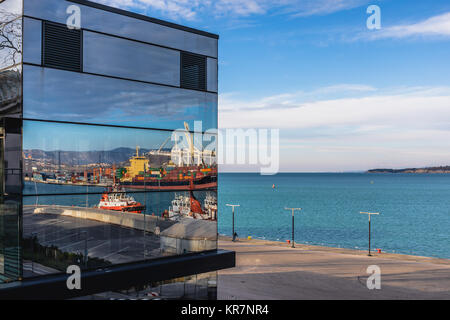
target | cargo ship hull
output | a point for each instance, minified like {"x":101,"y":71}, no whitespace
{"x":203,"y":183}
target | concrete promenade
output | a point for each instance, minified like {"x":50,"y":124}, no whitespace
{"x":271,"y":270}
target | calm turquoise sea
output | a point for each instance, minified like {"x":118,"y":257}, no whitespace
{"x":415,"y":210}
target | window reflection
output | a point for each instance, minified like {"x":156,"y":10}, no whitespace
{"x":11,"y":92}
{"x":10,"y":57}
{"x":67,"y":96}
{"x":128,"y":59}
{"x":57,"y":235}
{"x":212,"y":75}
{"x":10,"y":138}
{"x":68,"y":158}
{"x":98,"y":195}
{"x":10,"y":33}
{"x":111,"y":23}
{"x":10,"y":255}
{"x":32,"y":41}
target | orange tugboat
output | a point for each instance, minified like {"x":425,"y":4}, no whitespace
{"x":116,"y":199}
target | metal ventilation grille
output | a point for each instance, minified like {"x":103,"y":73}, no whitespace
{"x":193,"y":71}
{"x":62,"y":47}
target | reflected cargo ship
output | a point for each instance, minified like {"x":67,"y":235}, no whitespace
{"x":139,"y":175}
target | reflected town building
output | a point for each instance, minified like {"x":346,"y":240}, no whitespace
{"x":94,"y":169}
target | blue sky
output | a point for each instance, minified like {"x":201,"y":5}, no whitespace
{"x":267,"y":47}
{"x":344,"y":97}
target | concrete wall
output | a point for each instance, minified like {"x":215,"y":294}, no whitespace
{"x":124,"y":219}
{"x":182,"y":246}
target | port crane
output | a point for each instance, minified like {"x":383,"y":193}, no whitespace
{"x":192,"y":155}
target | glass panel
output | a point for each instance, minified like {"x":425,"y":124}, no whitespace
{"x":69,"y":158}
{"x":196,"y":287}
{"x":111,"y":23}
{"x":32,"y":41}
{"x":212,"y":74}
{"x":10,"y":253}
{"x":10,"y":33}
{"x":60,"y":231}
{"x":10,"y":139}
{"x":68,"y":96}
{"x":13,"y":7}
{"x":10,"y":200}
{"x":57,"y":235}
{"x":12,"y":157}
{"x":128,"y":59}
{"x":11,"y":91}
{"x":10,"y":57}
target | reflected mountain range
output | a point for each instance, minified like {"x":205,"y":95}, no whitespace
{"x":114,"y":156}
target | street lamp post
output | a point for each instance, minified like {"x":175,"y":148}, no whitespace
{"x":232,"y":206}
{"x":369,"y":214}
{"x":85,"y":247}
{"x":293,"y":210}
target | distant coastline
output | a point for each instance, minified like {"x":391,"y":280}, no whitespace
{"x":445,"y":169}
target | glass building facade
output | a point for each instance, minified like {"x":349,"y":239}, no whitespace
{"x":108,"y":146}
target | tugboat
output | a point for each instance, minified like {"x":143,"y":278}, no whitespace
{"x":210,"y":205}
{"x":115,"y":199}
{"x":187,"y":206}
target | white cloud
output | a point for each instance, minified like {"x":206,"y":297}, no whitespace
{"x":322,"y":7}
{"x":364,"y":129}
{"x":435,"y":26}
{"x":189,"y":9}
{"x":360,"y":105}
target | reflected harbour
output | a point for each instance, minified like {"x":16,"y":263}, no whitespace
{"x":155,"y":202}
{"x":91,"y":172}
{"x":109,"y":163}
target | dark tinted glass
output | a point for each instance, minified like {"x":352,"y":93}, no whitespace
{"x":212,"y":76}
{"x":129,"y":59}
{"x":32,"y":41}
{"x":68,"y":96}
